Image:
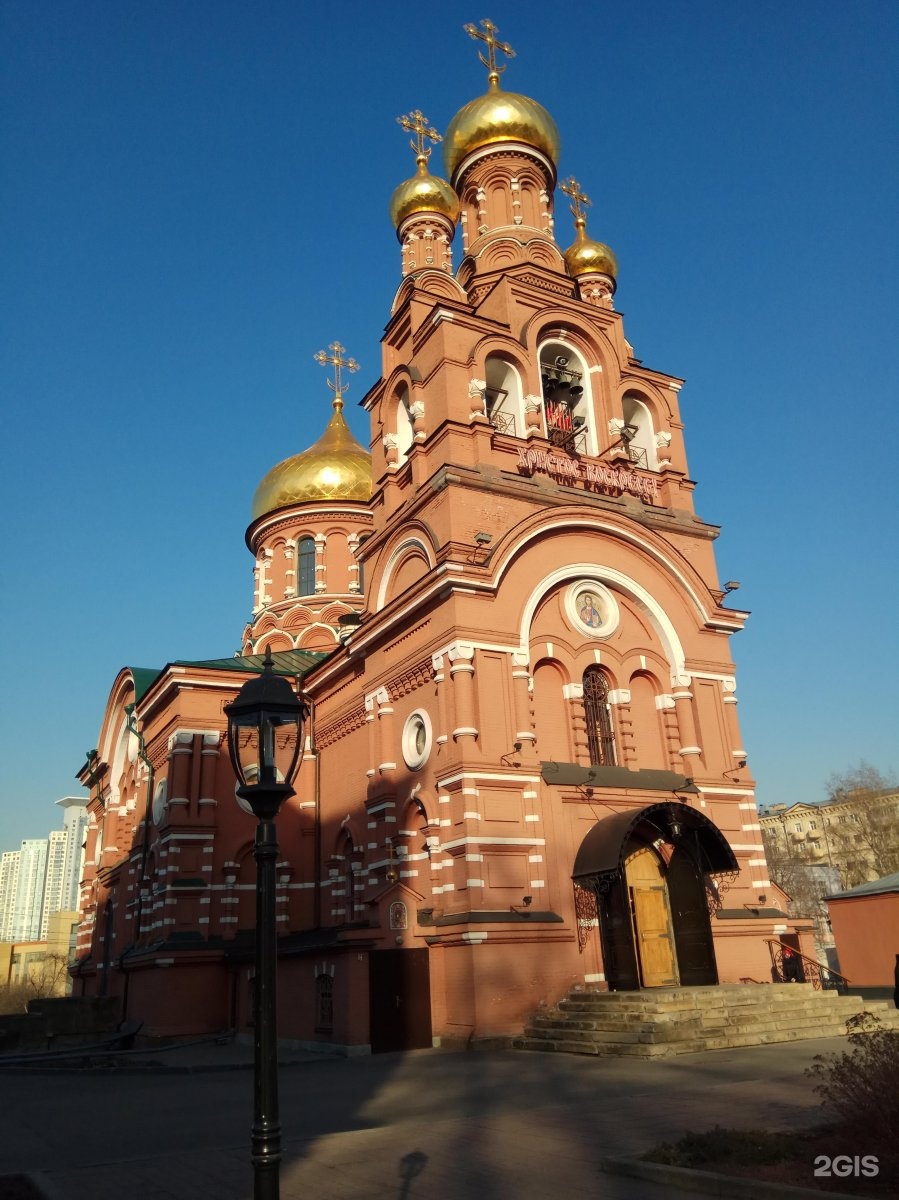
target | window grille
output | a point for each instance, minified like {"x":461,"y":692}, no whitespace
{"x":598,"y":715}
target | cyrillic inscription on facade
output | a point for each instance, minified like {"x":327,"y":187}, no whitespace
{"x":596,"y":476}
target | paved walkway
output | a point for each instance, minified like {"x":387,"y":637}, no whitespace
{"x":429,"y":1124}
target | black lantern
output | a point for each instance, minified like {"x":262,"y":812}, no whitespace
{"x":265,"y":737}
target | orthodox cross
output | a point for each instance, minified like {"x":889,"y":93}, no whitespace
{"x":336,"y":359}
{"x":417,"y":123}
{"x":493,"y":44}
{"x":572,"y":188}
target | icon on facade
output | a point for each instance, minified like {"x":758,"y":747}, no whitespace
{"x":591,"y":607}
{"x":587,"y":610}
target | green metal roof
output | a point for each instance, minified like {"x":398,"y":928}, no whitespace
{"x":286,"y":662}
{"x":143,"y":677}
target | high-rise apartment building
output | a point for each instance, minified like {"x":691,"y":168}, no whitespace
{"x":43,"y":877}
{"x":53,"y":877}
{"x":9,"y":879}
{"x":29,"y":897}
{"x":75,"y":829}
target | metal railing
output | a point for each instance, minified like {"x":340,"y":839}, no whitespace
{"x":795,"y":967}
{"x":567,"y":435}
{"x":503,"y":422}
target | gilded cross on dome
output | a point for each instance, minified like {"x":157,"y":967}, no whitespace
{"x":416,"y":122}
{"x":493,"y":44}
{"x":572,"y":188}
{"x":338,"y":362}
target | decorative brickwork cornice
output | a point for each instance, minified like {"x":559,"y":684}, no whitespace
{"x":333,"y":732}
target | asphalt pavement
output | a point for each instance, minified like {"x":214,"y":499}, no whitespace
{"x":427,"y":1124}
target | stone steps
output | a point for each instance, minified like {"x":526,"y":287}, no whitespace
{"x":661,"y":1022}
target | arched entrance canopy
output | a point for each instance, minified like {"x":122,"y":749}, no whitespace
{"x":601,"y":852}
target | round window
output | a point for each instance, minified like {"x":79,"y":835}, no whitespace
{"x":159,"y":802}
{"x":417,"y":740}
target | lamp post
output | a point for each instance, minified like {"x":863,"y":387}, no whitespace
{"x":265,"y":737}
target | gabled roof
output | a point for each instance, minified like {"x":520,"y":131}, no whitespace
{"x":877,"y":887}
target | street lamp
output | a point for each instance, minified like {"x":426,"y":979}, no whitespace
{"x":265,"y":737}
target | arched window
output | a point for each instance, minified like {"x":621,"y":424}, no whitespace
{"x":306,"y":566}
{"x":598,"y":716}
{"x":566,"y":399}
{"x":404,"y":431}
{"x":638,"y":433}
{"x":358,"y":584}
{"x":503,"y":397}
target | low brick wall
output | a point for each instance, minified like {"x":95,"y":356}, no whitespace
{"x":62,"y":1020}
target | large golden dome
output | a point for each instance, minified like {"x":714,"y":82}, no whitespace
{"x":496,"y":117}
{"x":337,"y":467}
{"x":423,"y":193}
{"x":585,"y":257}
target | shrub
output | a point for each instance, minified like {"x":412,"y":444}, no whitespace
{"x":14,"y":998}
{"x":724,"y":1147}
{"x":861,"y":1085}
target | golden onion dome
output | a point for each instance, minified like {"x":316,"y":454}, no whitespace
{"x":497,"y":117}
{"x":586,"y":257}
{"x":423,"y":193}
{"x":337,"y":467}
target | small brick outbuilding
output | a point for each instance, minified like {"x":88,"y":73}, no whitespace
{"x":865,"y":923}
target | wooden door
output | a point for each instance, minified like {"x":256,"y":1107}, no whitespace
{"x":399,"y":1000}
{"x":651,"y":913}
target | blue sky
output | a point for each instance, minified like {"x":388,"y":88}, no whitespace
{"x":194,"y":197}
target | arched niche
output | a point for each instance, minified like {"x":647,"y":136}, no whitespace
{"x":318,"y":637}
{"x":274,"y":642}
{"x":295,"y":620}
{"x":646,"y":722}
{"x":551,"y":711}
{"x":408,"y":563}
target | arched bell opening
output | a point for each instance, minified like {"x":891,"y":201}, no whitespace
{"x":647,"y":876}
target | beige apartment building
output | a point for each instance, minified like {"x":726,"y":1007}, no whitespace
{"x":858,"y":836}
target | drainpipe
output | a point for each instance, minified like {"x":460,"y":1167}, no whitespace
{"x":317,"y":840}
{"x":93,"y":777}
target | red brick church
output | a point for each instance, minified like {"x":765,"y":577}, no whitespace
{"x":523,"y":770}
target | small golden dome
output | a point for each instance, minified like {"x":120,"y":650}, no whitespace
{"x":586,"y":257}
{"x":337,"y":467}
{"x":423,"y":193}
{"x":495,"y":117}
